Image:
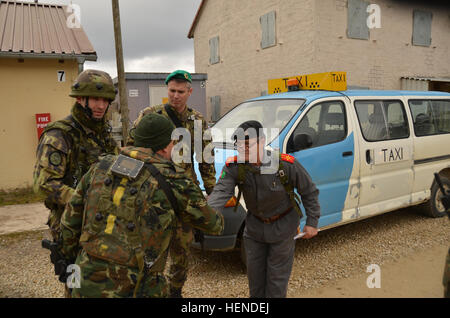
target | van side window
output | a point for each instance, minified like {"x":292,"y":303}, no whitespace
{"x":325,"y":123}
{"x":430,"y":117}
{"x":382,"y":120}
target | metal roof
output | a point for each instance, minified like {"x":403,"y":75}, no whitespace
{"x":429,"y":79}
{"x":33,"y":30}
{"x":158,"y":76}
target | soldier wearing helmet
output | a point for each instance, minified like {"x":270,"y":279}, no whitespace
{"x":68,"y":147}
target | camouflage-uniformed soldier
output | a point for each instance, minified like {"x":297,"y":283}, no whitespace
{"x":273,"y":213}
{"x":122,"y":216}
{"x":179,"y":90}
{"x":68,"y":147}
{"x":446,"y":279}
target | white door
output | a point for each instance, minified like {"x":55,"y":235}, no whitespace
{"x":385,"y":148}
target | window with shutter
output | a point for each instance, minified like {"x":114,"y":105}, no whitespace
{"x":357,"y":20}
{"x":214,"y":50}
{"x":215,"y":107}
{"x":268,"y":29}
{"x":422,"y":28}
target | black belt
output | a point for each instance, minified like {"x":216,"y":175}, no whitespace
{"x":274,"y":218}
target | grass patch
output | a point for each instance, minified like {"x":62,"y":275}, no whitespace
{"x":20,"y":196}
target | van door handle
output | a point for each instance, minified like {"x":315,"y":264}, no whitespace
{"x":368,"y":158}
{"x":347,"y":154}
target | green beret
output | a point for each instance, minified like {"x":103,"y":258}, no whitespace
{"x":153,"y":131}
{"x":179,"y":74}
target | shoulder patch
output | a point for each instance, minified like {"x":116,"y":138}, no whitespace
{"x":55,"y":158}
{"x":287,"y":158}
{"x":231,"y":160}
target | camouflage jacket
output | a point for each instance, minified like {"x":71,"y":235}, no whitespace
{"x":117,"y":219}
{"x":187,"y":119}
{"x":66,"y":150}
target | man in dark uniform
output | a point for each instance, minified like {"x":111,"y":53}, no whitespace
{"x":273,"y":214}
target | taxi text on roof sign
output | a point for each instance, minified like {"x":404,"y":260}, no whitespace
{"x":331,"y":81}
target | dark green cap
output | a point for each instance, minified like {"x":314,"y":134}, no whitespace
{"x":179,"y":74}
{"x":153,"y":131}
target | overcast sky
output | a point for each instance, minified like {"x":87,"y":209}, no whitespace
{"x":154,"y":33}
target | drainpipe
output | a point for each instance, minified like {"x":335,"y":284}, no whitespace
{"x":80,"y":64}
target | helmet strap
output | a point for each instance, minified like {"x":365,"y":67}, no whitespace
{"x":87,"y":110}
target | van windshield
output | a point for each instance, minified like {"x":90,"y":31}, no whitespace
{"x":273,"y":115}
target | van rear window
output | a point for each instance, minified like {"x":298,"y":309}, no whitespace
{"x":430,"y":117}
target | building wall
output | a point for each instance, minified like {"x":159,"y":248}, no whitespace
{"x":311,"y":37}
{"x":244,"y":67}
{"x":388,"y":54}
{"x":27,"y":89}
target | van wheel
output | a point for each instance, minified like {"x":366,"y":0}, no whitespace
{"x":434,"y":207}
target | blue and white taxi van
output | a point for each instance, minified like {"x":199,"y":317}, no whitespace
{"x":368,"y":151}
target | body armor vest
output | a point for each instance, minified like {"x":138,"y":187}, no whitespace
{"x":112,"y":228}
{"x":84,"y":149}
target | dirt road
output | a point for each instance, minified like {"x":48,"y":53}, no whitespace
{"x":417,"y":275}
{"x":409,"y":248}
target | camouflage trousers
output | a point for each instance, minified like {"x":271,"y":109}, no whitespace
{"x":54,"y":220}
{"x":101,"y":279}
{"x":179,"y":254}
{"x":446,"y":279}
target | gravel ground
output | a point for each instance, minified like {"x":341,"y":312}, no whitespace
{"x":334,"y":254}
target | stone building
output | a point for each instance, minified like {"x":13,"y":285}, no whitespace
{"x":381,"y":44}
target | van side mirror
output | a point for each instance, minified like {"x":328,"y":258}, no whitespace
{"x":300,"y":142}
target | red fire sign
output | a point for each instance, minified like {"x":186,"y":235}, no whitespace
{"x":42,"y":120}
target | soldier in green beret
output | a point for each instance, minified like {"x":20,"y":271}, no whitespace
{"x":179,"y":90}
{"x":119,"y":224}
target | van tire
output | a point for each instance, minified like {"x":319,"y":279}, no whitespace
{"x":434,"y":207}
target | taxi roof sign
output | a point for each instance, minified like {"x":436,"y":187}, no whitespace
{"x":330,"y":81}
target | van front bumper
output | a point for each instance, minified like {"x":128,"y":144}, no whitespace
{"x":234,"y":222}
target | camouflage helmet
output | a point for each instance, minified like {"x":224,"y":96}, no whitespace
{"x":93,"y":83}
